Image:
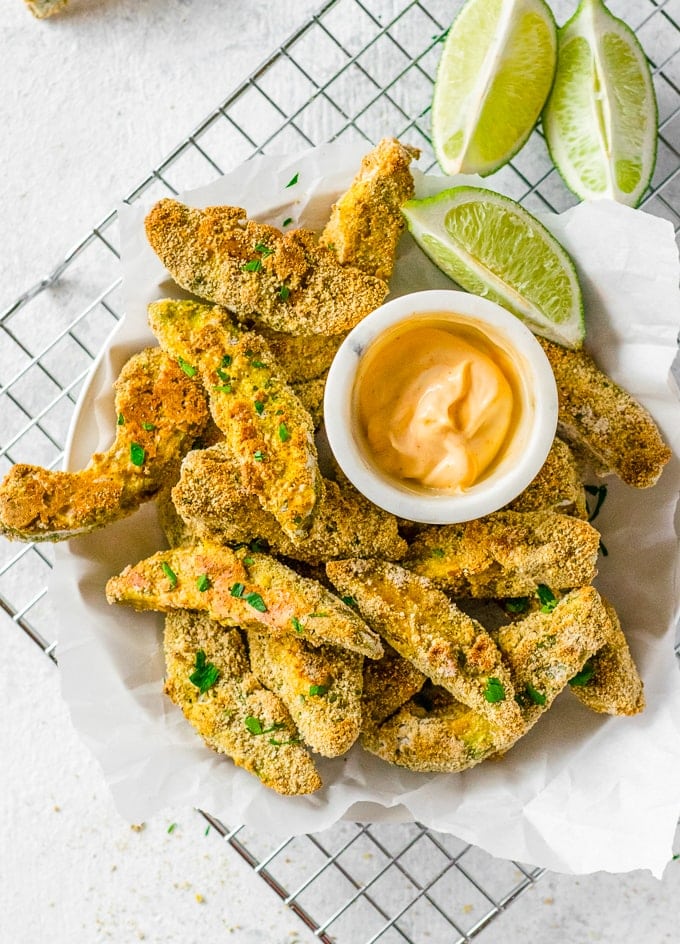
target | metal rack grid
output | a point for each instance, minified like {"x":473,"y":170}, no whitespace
{"x":357,"y":69}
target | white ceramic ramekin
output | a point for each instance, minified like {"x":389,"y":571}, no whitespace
{"x":524,"y":454}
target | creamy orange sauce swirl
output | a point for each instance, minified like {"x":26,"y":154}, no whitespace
{"x":435,"y":404}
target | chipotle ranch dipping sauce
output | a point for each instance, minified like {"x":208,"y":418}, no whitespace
{"x":437,"y":401}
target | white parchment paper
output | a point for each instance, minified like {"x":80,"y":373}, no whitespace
{"x":581,"y":792}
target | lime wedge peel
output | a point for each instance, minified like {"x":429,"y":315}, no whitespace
{"x":494,"y":75}
{"x":493,"y":247}
{"x":600,"y":121}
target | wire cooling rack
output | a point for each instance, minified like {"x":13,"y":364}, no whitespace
{"x":358,"y":69}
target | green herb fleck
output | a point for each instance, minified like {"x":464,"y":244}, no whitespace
{"x":248,"y":560}
{"x":318,"y":689}
{"x":137,"y":454}
{"x":205,"y":674}
{"x":284,"y":435}
{"x":284,"y":293}
{"x":254,"y":265}
{"x":263,"y":250}
{"x":224,"y":388}
{"x":255,"y":726}
{"x":256,"y":601}
{"x":600,"y":493}
{"x":295,"y":740}
{"x":538,"y":698}
{"x":318,"y":615}
{"x":236,"y":589}
{"x":350,"y":601}
{"x":516,"y":604}
{"x":171,"y":827}
{"x":148,"y":427}
{"x":188,"y":369}
{"x":203,"y":583}
{"x":169,"y":573}
{"x":438,"y":552}
{"x":297,"y":625}
{"x":256,"y":363}
{"x":259,"y":456}
{"x":258,"y":546}
{"x":584,"y":676}
{"x":222,"y":374}
{"x":495,"y":690}
{"x":288,"y":220}
{"x":121,"y":420}
{"x":226,"y":361}
{"x":293,"y":180}
{"x":207,"y":830}
{"x":259,"y":407}
{"x":547,"y":598}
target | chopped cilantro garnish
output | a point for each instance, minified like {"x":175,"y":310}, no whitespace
{"x":297,"y":625}
{"x":584,"y":676}
{"x":248,"y":560}
{"x":256,"y":601}
{"x":137,"y":454}
{"x":538,"y":698}
{"x":121,"y":420}
{"x":293,"y":180}
{"x":148,"y":426}
{"x":437,"y":552}
{"x":205,"y":674}
{"x":547,"y":598}
{"x":253,"y":265}
{"x":171,"y":827}
{"x":295,"y":740}
{"x":318,"y":615}
{"x":226,"y":361}
{"x":236,"y":589}
{"x":284,"y":435}
{"x":223,"y":388}
{"x":263,"y":250}
{"x":259,"y":456}
{"x":222,"y":374}
{"x":188,"y":369}
{"x":259,"y":407}
{"x":256,"y":363}
{"x":203,"y":583}
{"x":318,"y":689}
{"x":258,"y":546}
{"x":255,"y":726}
{"x":284,"y":293}
{"x":495,"y":690}
{"x":288,"y":220}
{"x":350,"y":601}
{"x":169,"y":573}
{"x":516,"y":604}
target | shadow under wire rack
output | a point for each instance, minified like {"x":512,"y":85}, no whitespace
{"x":357,"y":70}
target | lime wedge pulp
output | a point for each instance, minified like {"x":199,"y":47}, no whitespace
{"x":600,"y":120}
{"x":493,"y":247}
{"x":496,"y":70}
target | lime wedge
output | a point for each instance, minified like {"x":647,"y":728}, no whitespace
{"x":600,"y":121}
{"x":493,"y":247}
{"x":494,"y":76}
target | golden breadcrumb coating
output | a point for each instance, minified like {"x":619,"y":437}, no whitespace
{"x":263,"y":422}
{"x":286,"y":281}
{"x":366,"y":222}
{"x":432,"y":733}
{"x":310,"y":393}
{"x":302,"y":358}
{"x":44,"y":8}
{"x":616,"y":432}
{"x":321,"y":687}
{"x":611,"y":684}
{"x":235,"y":707}
{"x":160,"y":412}
{"x":212,"y":499}
{"x":556,"y":487}
{"x":546,"y":649}
{"x":425,"y":627}
{"x":388,"y":684}
{"x":507,"y":554}
{"x":242,"y":589}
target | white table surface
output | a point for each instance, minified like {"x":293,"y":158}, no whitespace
{"x":90,"y":101}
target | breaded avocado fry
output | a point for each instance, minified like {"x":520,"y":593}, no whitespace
{"x":595,"y":414}
{"x":264,"y":424}
{"x":507,"y":554}
{"x":389,"y":682}
{"x":366,"y":222}
{"x":242,"y":589}
{"x":321,"y":687}
{"x":556,"y":487}
{"x":285,"y":281}
{"x":425,"y":627}
{"x":160,"y":412}
{"x":610,"y":682}
{"x":208,"y":677}
{"x":211,"y":498}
